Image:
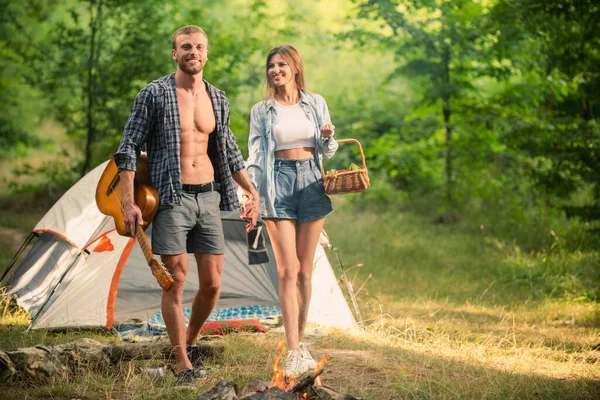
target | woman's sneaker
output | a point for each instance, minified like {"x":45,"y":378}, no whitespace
{"x":306,"y":355}
{"x":295,"y":364}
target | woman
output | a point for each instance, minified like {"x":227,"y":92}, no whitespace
{"x":289,"y":134}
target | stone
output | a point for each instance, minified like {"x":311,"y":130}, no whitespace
{"x":224,"y":390}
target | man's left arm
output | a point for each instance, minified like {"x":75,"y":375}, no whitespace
{"x":249,"y":209}
{"x":238,"y":167}
{"x":235,"y":160}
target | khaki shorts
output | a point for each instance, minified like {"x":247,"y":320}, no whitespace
{"x":193,"y":227}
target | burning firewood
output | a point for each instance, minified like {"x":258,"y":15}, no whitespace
{"x":301,"y":386}
{"x":304,"y":390}
{"x":273,"y":393}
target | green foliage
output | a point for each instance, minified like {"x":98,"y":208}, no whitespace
{"x":58,"y":177}
{"x":558,"y":135}
{"x":103,"y":52}
{"x":492,"y":104}
{"x":411,"y":167}
{"x":438,"y":47}
{"x":20,"y":68}
{"x":514,"y":150}
{"x":18,"y":120}
{"x":557,"y":272}
{"x":480,"y":102}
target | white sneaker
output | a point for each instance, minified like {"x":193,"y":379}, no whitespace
{"x":306,"y":355}
{"x":295,"y":365}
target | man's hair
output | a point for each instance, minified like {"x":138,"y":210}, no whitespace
{"x":290,"y":54}
{"x":187,"y":30}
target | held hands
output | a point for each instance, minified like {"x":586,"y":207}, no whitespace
{"x":249,"y":209}
{"x":132,"y":215}
{"x":327,"y":130}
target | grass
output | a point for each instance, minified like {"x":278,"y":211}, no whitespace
{"x":450,"y":313}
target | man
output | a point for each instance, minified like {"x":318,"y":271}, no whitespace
{"x":192,"y":156}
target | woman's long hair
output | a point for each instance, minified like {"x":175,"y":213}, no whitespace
{"x":291,"y":55}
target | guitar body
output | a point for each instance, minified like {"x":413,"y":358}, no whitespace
{"x":109,"y":194}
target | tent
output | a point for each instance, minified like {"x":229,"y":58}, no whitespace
{"x":81,"y":273}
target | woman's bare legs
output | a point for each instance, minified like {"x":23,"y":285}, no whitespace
{"x":282,"y":233}
{"x":307,"y":238}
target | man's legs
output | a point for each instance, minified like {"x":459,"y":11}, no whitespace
{"x":210,"y":269}
{"x":172,"y":309}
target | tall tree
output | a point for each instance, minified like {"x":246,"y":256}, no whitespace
{"x":95,"y":26}
{"x":436,"y":43}
{"x":560,"y":132}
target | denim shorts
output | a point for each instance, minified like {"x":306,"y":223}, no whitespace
{"x":299,"y":191}
{"x":193,"y":227}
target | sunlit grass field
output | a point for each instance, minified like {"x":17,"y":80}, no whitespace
{"x":449,"y":313}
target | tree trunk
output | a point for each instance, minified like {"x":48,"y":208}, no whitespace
{"x":447,"y":111}
{"x":94,"y":24}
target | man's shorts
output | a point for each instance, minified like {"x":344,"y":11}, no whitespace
{"x":299,"y":191}
{"x":193,"y":227}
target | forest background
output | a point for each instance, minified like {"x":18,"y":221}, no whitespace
{"x":478,"y":118}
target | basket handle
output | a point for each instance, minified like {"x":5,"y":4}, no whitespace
{"x":362,"y":154}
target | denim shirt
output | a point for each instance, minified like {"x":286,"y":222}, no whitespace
{"x":261,"y":144}
{"x":154,"y":121}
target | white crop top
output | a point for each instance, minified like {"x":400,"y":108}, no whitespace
{"x":292,"y":128}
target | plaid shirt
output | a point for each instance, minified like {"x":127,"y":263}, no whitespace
{"x":154,"y":121}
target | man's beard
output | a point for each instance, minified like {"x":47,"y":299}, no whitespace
{"x":192,"y":70}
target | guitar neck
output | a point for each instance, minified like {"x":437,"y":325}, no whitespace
{"x":143,"y":241}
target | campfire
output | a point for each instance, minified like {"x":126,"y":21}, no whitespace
{"x":290,"y":383}
{"x":308,"y":386}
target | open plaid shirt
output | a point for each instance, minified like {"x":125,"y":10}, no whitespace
{"x":154,"y":121}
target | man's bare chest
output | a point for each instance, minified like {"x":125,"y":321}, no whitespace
{"x":196,"y":112}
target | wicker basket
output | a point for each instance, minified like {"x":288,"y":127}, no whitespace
{"x":348,"y":181}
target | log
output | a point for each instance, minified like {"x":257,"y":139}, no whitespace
{"x":273,"y":393}
{"x":155,"y":350}
{"x":7,"y":368}
{"x":326,"y":393}
{"x":44,"y":363}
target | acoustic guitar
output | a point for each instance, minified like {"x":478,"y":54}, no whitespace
{"x":108,"y":198}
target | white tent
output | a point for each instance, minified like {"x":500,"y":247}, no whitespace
{"x":81,"y":273}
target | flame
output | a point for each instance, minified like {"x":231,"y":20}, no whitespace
{"x":279,"y":379}
{"x":320,"y":365}
{"x":287,"y":382}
